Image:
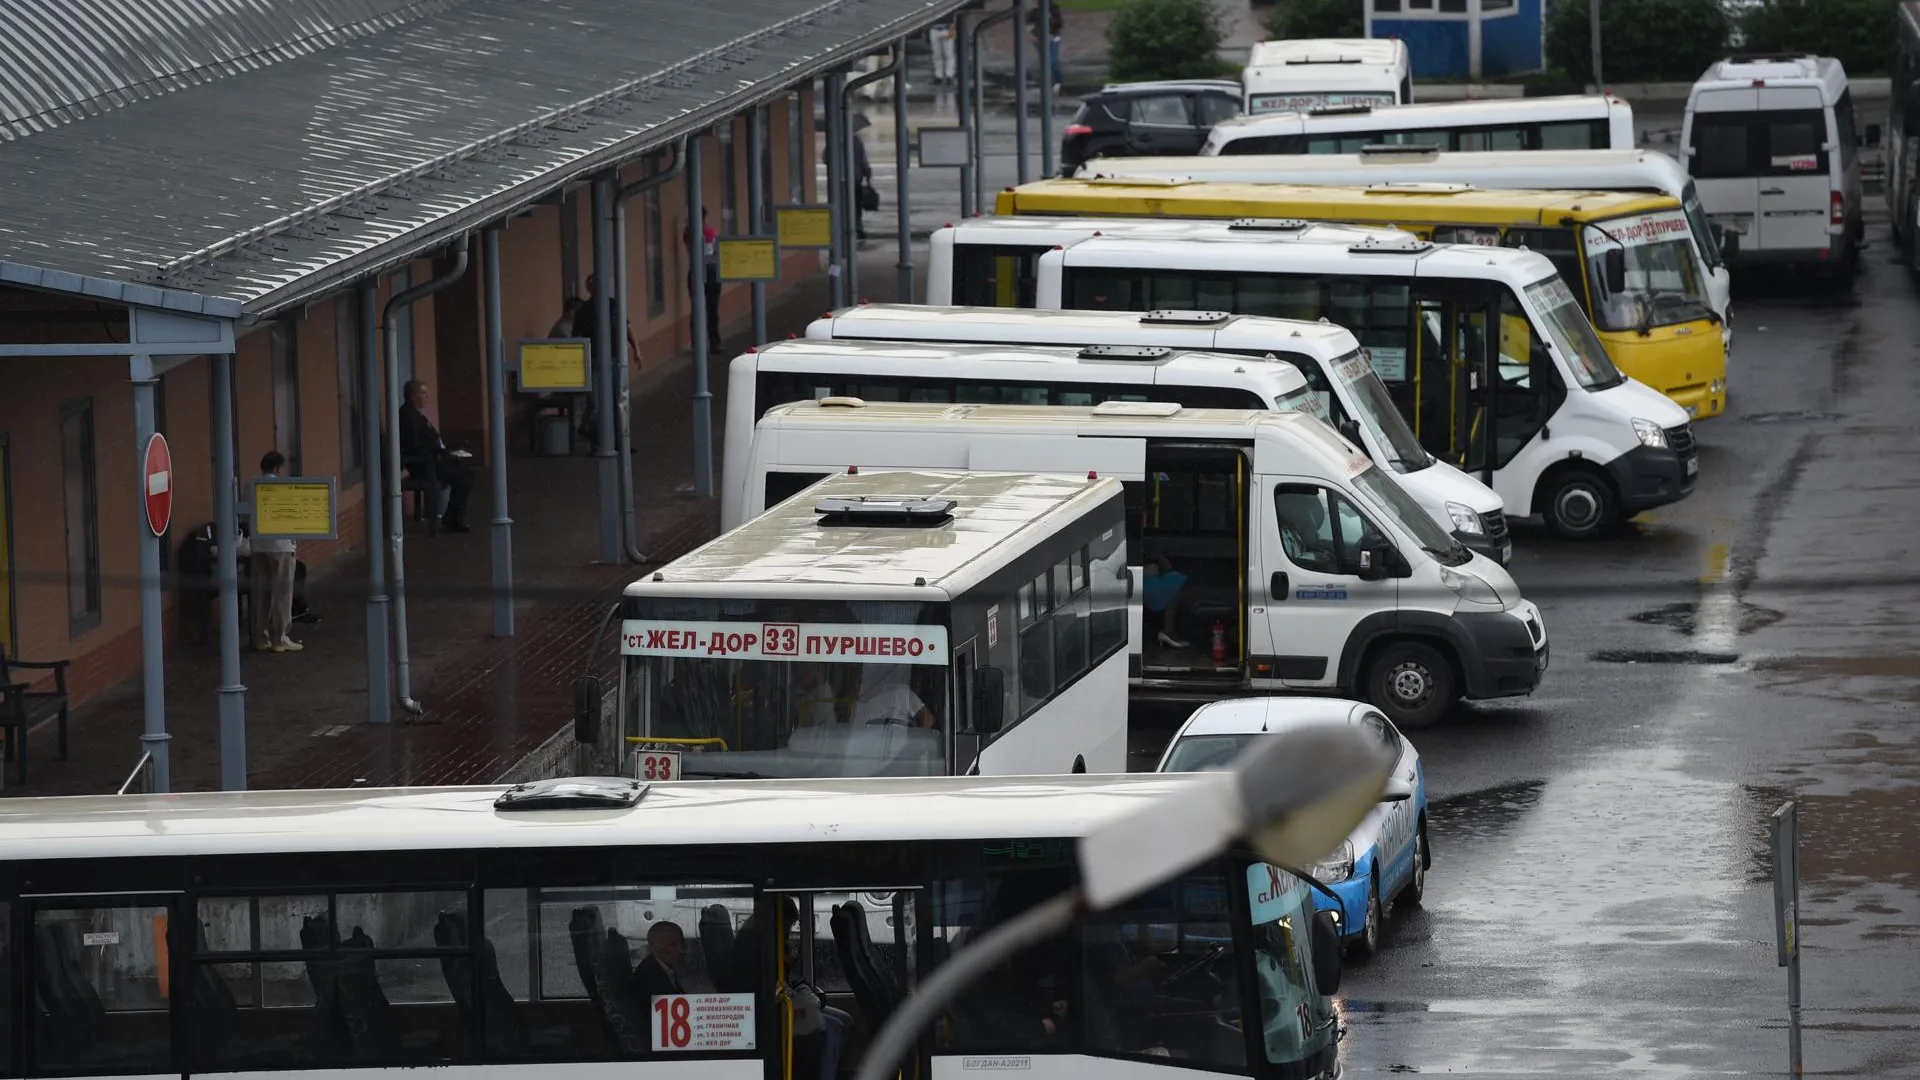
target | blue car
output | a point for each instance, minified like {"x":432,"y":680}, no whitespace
{"x":1384,"y":860}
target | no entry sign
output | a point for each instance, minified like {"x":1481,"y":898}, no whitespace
{"x":158,"y":484}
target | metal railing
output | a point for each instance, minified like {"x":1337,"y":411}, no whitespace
{"x":140,"y":780}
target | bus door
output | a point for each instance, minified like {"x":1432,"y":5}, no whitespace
{"x":1459,"y":327}
{"x":969,"y":734}
{"x":845,"y":960}
{"x":1193,"y":511}
{"x":103,"y":990}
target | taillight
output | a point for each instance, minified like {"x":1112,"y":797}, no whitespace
{"x":1078,"y":129}
{"x":1838,"y":201}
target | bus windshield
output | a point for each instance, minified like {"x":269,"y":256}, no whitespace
{"x":1413,"y":521}
{"x":1572,"y":335}
{"x":1702,"y":228}
{"x":1297,"y":1020}
{"x":1374,"y":408}
{"x":770,"y":689}
{"x":1663,"y":281}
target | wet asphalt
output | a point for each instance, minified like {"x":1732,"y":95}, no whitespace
{"x":1600,"y":901}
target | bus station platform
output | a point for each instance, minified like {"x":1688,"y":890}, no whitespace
{"x":488,"y":702}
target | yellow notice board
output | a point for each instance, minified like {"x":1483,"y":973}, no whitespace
{"x":295,"y":508}
{"x":803,"y":226}
{"x":749,"y":258}
{"x":552,"y":365}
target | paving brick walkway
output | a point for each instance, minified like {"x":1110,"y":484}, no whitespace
{"x":488,"y":701}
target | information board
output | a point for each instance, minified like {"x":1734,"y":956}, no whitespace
{"x":294,"y":508}
{"x":555,"y":365}
{"x":799,"y":226}
{"x":749,"y":258}
{"x":703,"y":1022}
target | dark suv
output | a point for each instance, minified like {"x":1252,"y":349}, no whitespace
{"x":1148,"y":119}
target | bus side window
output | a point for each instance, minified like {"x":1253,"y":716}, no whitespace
{"x":1559,"y":246}
{"x":1101,"y":290}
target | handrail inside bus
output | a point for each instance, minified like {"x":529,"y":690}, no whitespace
{"x":715,"y":741}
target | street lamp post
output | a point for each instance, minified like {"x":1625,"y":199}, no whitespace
{"x":1290,"y":797}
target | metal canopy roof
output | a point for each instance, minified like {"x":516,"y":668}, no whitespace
{"x":302,"y":168}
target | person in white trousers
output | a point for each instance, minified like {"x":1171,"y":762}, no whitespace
{"x":942,"y":44}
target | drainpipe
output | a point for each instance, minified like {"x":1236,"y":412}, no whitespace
{"x":396,"y":521}
{"x":851,"y":245}
{"x":623,"y":380}
{"x":980,"y":97}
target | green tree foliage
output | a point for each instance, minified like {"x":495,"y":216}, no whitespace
{"x":1315,"y":19}
{"x":1641,"y":40}
{"x":1164,"y":39}
{"x":1859,"y":32}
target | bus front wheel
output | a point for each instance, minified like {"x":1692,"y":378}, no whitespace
{"x":1578,"y":504}
{"x":1412,"y":682}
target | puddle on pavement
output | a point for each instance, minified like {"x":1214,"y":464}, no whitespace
{"x":1886,"y":677}
{"x":1867,"y":839}
{"x":1663,"y":656}
{"x":1684,"y":617}
{"x":1484,"y":814}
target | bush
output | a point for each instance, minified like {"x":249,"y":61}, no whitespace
{"x":1861,"y":33}
{"x":1641,"y":40}
{"x":1315,"y":19}
{"x":1164,"y":39}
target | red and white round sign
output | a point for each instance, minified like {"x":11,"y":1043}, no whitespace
{"x":158,"y":480}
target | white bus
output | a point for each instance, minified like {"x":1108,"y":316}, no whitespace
{"x":1304,"y":73}
{"x":885,"y":624}
{"x":892,"y":371}
{"x":1593,"y":122}
{"x":1566,"y":170}
{"x":499,"y":934}
{"x":1350,"y":395}
{"x":1272,"y":554}
{"x":1560,"y":433}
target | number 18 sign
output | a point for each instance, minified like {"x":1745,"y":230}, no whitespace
{"x":703,"y":1022}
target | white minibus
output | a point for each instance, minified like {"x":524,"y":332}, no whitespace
{"x":1305,"y":73}
{"x":888,"y":624}
{"x":1593,"y":122}
{"x":1272,"y":555}
{"x":1565,"y":170}
{"x":500,"y":933}
{"x":1771,"y":141}
{"x":1351,"y":396}
{"x":1560,"y":433}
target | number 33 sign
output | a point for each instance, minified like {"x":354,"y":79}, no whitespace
{"x":703,"y":1022}
{"x":656,"y":764}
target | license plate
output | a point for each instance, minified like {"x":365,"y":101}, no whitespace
{"x":1693,"y":466}
{"x":1506,"y":553}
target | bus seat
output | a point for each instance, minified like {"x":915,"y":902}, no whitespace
{"x":364,"y":1009}
{"x":506,"y":1034}
{"x":716,"y":944}
{"x":605,"y":961}
{"x":67,"y":1024}
{"x":214,"y":1006}
{"x":871,"y":988}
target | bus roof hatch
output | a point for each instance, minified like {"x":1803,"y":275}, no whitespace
{"x":873,"y":510}
{"x":1170,"y":317}
{"x":1126,"y":352}
{"x":573,"y":793}
{"x":1249,"y":224}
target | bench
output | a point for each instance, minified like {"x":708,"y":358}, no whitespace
{"x":420,"y":477}
{"x":22,"y":707}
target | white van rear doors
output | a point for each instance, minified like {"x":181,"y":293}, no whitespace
{"x":1720,"y":158}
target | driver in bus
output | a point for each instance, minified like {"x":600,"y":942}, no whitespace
{"x":886,"y":698}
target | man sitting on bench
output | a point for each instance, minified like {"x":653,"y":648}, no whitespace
{"x":420,"y":441}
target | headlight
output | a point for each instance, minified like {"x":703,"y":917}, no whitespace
{"x":1717,"y":386}
{"x":1470,"y":587}
{"x":1650,"y":433}
{"x":1336,"y":867}
{"x":1465,"y":518}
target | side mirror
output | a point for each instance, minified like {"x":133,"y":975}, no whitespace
{"x":989,"y":700}
{"x":1126,"y":572}
{"x":586,"y":710}
{"x":1326,"y":953}
{"x":1350,"y":430}
{"x":1615,"y":261}
{"x":1873,"y":135}
{"x":1397,"y":790}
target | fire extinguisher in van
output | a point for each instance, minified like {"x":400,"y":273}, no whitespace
{"x":1219,"y":640}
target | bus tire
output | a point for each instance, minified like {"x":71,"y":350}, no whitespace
{"x":1578,"y":503}
{"x":1412,"y":682}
